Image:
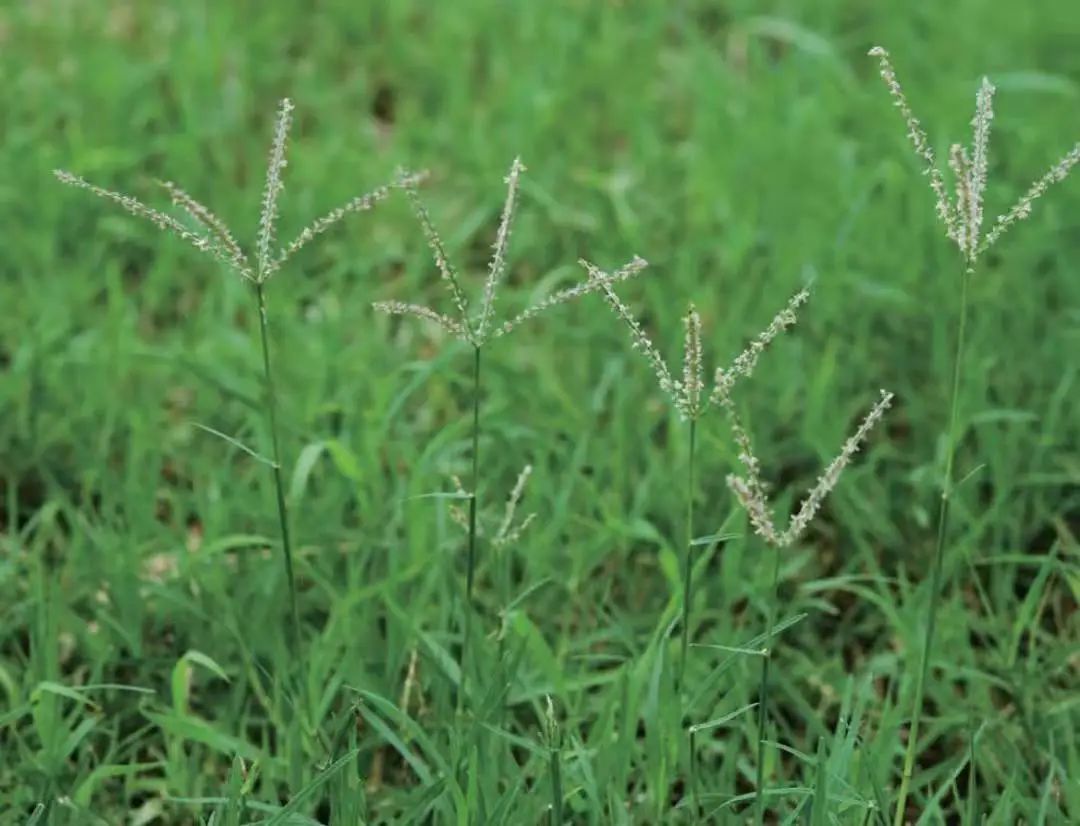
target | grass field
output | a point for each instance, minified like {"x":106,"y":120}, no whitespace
{"x":148,"y":670}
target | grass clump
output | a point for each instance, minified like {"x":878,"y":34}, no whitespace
{"x":208,"y":234}
{"x":962,"y":217}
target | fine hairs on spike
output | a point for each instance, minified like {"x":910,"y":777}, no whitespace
{"x":481,"y":329}
{"x":687,"y":398}
{"x":476,"y":330}
{"x":963,"y":216}
{"x":750,"y":491}
{"x":210,"y":234}
{"x":686,"y":394}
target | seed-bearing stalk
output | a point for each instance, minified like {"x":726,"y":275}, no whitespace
{"x":279,"y":485}
{"x":470,"y":561}
{"x":763,"y":689}
{"x":688,"y":561}
{"x":939,"y":554}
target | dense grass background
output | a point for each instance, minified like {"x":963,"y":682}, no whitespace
{"x":740,"y":153}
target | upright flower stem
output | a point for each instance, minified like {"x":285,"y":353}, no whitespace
{"x":939,"y":553}
{"x":688,"y":570}
{"x":763,"y":690}
{"x":283,"y":517}
{"x":470,"y":562}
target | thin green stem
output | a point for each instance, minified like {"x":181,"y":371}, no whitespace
{"x":688,"y":562}
{"x":555,"y":771}
{"x":939,"y":555}
{"x":695,"y":803}
{"x":283,"y":515}
{"x":763,"y":691}
{"x":470,"y":563}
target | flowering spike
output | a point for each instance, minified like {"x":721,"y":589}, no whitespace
{"x":502,"y":241}
{"x":689,"y":397}
{"x":274,"y":184}
{"x":918,"y":139}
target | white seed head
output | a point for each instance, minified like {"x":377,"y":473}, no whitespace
{"x":630,"y":270}
{"x":425,"y":313}
{"x":639,"y":339}
{"x":688,"y":397}
{"x":917,"y":136}
{"x":1022,"y":209}
{"x":502,"y":242}
{"x":275,"y":169}
{"x":744,"y":364}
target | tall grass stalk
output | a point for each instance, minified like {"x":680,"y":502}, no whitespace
{"x":763,"y":687}
{"x":750,"y":490}
{"x":470,"y":564}
{"x":296,"y":638}
{"x":962,"y":216}
{"x":688,"y":399}
{"x":936,"y":572}
{"x":688,"y":559}
{"x":478,"y":330}
{"x":198,"y":226}
{"x":553,"y":742}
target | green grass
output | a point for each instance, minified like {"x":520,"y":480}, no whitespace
{"x":146,"y":674}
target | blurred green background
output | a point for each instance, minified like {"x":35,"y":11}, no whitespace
{"x":742,"y":148}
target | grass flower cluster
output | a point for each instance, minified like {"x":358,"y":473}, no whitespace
{"x":380,"y":698}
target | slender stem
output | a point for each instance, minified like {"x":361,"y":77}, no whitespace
{"x":939,"y":555}
{"x":470,"y":564}
{"x":695,"y":803}
{"x":763,"y":691}
{"x":973,"y":780}
{"x":283,"y":516}
{"x":688,"y":563}
{"x":556,"y":786}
